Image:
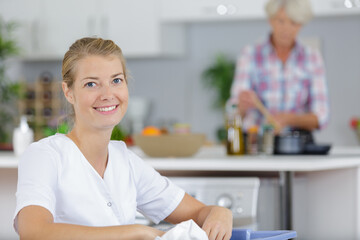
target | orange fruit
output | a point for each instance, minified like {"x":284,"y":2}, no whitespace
{"x":151,"y":131}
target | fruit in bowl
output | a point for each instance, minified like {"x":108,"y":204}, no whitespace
{"x":151,"y":131}
{"x":157,"y":143}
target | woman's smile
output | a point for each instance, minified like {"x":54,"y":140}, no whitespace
{"x":107,"y":109}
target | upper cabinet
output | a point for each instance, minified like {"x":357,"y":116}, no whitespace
{"x":142,"y":28}
{"x":335,"y":7}
{"x":220,"y":10}
{"x":211,"y":10}
{"x":135,"y":25}
{"x":47,"y":28}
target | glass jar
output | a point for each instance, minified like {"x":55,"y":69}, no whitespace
{"x":252,"y":141}
{"x":268,"y":139}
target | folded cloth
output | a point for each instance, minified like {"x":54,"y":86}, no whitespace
{"x":187,"y":230}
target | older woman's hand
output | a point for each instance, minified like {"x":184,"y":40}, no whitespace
{"x":246,"y":100}
{"x":218,"y":223}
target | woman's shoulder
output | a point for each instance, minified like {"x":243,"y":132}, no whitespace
{"x":54,"y":142}
{"x":258,"y":47}
{"x":307,"y":49}
{"x":47,"y":151}
{"x":118,"y":146}
{"x":119,"y":150}
{"x":52,"y":147}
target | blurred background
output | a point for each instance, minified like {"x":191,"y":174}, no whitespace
{"x":168,"y":45}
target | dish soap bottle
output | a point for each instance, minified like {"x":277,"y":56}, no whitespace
{"x":23,"y":136}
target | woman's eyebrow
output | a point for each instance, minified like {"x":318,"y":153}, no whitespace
{"x":85,"y":78}
{"x":96,"y":78}
{"x":117,"y":74}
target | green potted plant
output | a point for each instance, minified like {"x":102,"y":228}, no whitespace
{"x":219,"y":76}
{"x":9,"y":91}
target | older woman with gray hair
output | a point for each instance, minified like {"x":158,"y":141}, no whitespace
{"x":286,"y":76}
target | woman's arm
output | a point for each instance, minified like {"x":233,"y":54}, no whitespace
{"x":215,"y":221}
{"x":307,"y":121}
{"x":35,"y":222}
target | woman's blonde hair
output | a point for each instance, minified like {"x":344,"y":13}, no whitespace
{"x":85,"y":47}
{"x":298,"y":10}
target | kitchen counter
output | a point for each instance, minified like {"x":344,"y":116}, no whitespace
{"x":215,"y":159}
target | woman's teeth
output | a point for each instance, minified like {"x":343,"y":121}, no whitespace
{"x":106,"y":109}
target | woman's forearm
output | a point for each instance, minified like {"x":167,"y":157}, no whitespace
{"x":61,"y":231}
{"x":212,"y":213}
{"x":307,"y":121}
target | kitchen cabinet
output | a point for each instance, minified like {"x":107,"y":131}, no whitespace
{"x":334,"y":7}
{"x":47,"y":28}
{"x":135,"y":26}
{"x":211,"y":10}
{"x":219,"y":10}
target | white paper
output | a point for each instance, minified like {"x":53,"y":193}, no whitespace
{"x":187,"y":230}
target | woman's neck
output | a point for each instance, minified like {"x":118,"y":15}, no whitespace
{"x":283,"y":52}
{"x":93,"y":145}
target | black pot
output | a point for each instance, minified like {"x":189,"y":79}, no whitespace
{"x":298,"y":142}
{"x":292,"y":142}
{"x":289,"y":144}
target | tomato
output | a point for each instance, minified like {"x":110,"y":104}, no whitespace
{"x":354,"y":122}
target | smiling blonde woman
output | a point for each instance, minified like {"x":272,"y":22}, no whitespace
{"x":82,"y":185}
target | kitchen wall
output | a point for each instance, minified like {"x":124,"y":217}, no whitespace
{"x":176,"y":92}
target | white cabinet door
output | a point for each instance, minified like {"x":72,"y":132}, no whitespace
{"x":49,"y":27}
{"x":335,"y":7}
{"x":211,"y":10}
{"x":61,"y":23}
{"x":133,"y":25}
{"x":218,"y":10}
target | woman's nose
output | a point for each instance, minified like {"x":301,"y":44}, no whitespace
{"x":107,"y":93}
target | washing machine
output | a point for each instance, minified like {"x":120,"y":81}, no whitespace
{"x":239,"y":194}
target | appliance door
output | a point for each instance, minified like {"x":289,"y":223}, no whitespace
{"x":239,"y":194}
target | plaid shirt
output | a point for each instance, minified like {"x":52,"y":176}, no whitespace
{"x":298,"y":86}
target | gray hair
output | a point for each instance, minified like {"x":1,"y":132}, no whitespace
{"x":298,"y":10}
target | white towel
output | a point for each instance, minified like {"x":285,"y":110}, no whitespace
{"x":187,"y":230}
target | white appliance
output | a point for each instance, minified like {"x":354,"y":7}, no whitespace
{"x":239,"y":194}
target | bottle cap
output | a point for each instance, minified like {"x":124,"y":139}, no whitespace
{"x":23,"y":124}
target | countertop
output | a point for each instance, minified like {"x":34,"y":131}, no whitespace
{"x":215,"y":159}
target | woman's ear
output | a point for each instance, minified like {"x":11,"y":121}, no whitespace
{"x":68,"y":93}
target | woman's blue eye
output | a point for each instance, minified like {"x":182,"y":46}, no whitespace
{"x":117,"y":80}
{"x":90,"y":84}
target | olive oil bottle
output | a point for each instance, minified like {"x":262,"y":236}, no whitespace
{"x":235,"y":141}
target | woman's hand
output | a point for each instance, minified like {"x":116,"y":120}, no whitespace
{"x":215,"y":221}
{"x":283,"y":120}
{"x":246,"y":101}
{"x":218,"y":223}
{"x":150,"y":233}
